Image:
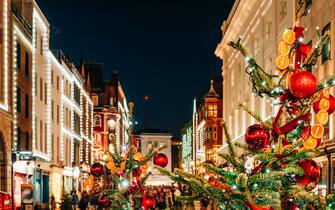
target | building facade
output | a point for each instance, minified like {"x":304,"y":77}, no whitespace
{"x":187,"y":145}
{"x":207,"y":127}
{"x":148,"y":138}
{"x":111,"y":113}
{"x":176,"y":153}
{"x":5,"y":97}
{"x":261,"y":34}
{"x":52,"y":131}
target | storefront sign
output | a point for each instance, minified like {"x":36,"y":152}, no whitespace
{"x":27,"y":194}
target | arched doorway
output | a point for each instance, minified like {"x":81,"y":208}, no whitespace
{"x":2,"y":164}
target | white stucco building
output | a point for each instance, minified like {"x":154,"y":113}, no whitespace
{"x":149,"y":138}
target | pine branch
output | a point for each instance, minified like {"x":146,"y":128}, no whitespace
{"x":270,"y":176}
{"x":289,"y":149}
{"x":262,"y":82}
{"x":219,"y":171}
{"x":255,"y":116}
{"x":265,"y":157}
{"x":302,"y":155}
{"x":293,"y":169}
{"x":231,"y":146}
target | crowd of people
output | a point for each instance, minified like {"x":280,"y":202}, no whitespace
{"x":164,"y":196}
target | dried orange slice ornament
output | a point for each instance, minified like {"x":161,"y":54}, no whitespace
{"x":284,"y":48}
{"x":317,"y":131}
{"x":310,"y":143}
{"x":324,"y":104}
{"x":289,"y":36}
{"x":325,"y":93}
{"x":282,"y":62}
{"x":322,"y":117}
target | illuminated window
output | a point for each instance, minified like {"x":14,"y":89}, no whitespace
{"x":97,"y":120}
{"x":26,"y":67}
{"x":212,"y":111}
{"x":18,"y":56}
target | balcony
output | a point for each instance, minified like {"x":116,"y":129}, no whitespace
{"x":61,"y":57}
{"x":21,"y":19}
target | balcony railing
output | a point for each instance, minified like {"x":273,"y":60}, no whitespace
{"x":21,"y":19}
{"x":62,"y":57}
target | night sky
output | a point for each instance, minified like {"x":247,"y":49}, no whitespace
{"x":161,"y":48}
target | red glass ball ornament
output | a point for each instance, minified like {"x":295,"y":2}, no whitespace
{"x":161,"y":160}
{"x":312,"y":172}
{"x":303,"y":84}
{"x":148,"y":202}
{"x":331,"y":108}
{"x":97,"y":169}
{"x":257,"y":137}
{"x":104,"y":202}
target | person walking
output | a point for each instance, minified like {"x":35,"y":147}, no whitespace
{"x":53,"y":202}
{"x":74,"y":199}
{"x":83,"y":203}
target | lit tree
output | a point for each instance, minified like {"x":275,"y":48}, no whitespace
{"x":284,"y":175}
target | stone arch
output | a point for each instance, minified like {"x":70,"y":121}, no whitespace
{"x":3,"y":171}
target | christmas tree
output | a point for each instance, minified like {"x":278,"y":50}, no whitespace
{"x":123,"y":177}
{"x":284,"y":175}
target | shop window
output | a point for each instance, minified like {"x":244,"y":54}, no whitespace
{"x":327,"y":47}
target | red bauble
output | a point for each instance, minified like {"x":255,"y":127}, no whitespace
{"x":312,"y":172}
{"x":104,"y":202}
{"x":331,"y":108}
{"x":97,"y":169}
{"x":257,"y":137}
{"x":161,"y":160}
{"x":148,"y":202}
{"x":303,"y":84}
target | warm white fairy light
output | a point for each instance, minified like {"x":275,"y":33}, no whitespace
{"x":87,"y":130}
{"x":81,"y":125}
{"x":14,"y":90}
{"x":48,"y":79}
{"x":72,"y":122}
{"x":5,"y":56}
{"x":62,"y":119}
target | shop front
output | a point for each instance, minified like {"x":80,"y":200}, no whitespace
{"x":85,"y":182}
{"x":67,"y":180}
{"x":56,"y":183}
{"x":23,"y":172}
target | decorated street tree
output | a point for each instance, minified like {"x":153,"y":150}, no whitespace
{"x":284,"y":175}
{"x":123,"y":177}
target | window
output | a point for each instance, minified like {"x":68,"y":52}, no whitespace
{"x":268,"y":30}
{"x":18,"y":144}
{"x":45,"y":138}
{"x":18,"y":56}
{"x":41,"y":89}
{"x":283,"y":9}
{"x":18,"y":100}
{"x":52,"y":77}
{"x":76,"y":94}
{"x":95,"y":100}
{"x":41,"y":45}
{"x":41,"y":135}
{"x":97,"y":120}
{"x":26,"y":112}
{"x":76,"y":123}
{"x":57,"y":85}
{"x":26,"y":65}
{"x":45,"y":93}
{"x":27,"y":141}
{"x":36,"y":79}
{"x":327,"y":47}
{"x":212,"y":110}
{"x":52,"y":109}
{"x":57,"y":114}
{"x":308,"y":3}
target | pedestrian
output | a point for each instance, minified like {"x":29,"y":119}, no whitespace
{"x":83,"y":203}
{"x":74,"y":199}
{"x":177,"y":193}
{"x":204,"y":203}
{"x":53,"y":202}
